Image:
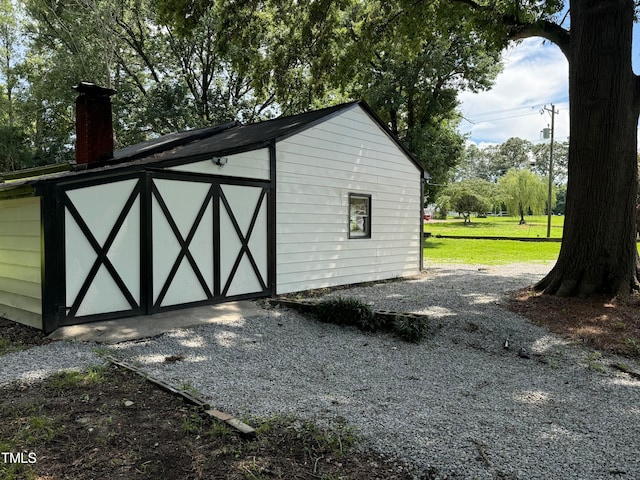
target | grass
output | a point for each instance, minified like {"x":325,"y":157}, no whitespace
{"x":7,"y":346}
{"x":536,"y":226}
{"x":488,"y":252}
{"x":492,"y":252}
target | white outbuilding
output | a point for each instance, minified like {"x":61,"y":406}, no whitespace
{"x":321,"y":199}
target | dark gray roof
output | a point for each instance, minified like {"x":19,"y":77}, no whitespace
{"x":227,"y":138}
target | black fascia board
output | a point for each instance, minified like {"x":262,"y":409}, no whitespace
{"x":90,"y":176}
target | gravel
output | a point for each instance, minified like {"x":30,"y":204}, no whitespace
{"x":39,"y":362}
{"x":457,"y":406}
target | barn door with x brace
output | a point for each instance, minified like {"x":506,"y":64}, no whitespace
{"x":209,"y":240}
{"x":103,"y":253}
{"x":148,"y":242}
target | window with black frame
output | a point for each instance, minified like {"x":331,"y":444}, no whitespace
{"x":359,"y":215}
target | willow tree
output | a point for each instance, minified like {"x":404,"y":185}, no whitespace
{"x":523,"y":192}
{"x":598,"y":253}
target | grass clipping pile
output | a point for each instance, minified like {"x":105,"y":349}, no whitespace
{"x":111,"y":423}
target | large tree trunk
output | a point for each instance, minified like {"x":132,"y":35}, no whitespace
{"x":599,"y":253}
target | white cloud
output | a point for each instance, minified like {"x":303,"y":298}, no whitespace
{"x":535,"y":74}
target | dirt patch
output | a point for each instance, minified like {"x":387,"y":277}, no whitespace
{"x":15,"y":336}
{"x":604,"y":324}
{"x":111,"y":423}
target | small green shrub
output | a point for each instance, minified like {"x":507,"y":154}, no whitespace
{"x":633,"y":345}
{"x":593,"y":362}
{"x":347,"y":311}
{"x":192,"y":424}
{"x":353,"y":312}
{"x":411,"y":329}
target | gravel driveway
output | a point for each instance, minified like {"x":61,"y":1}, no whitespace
{"x":458,"y":405}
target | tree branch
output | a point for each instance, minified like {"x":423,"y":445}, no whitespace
{"x":519,"y":30}
{"x":545,"y":29}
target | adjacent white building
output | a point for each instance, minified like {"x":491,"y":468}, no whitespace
{"x":320,"y":199}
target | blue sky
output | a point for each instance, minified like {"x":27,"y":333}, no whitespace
{"x":535,"y":74}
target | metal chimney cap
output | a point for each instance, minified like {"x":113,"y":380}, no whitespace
{"x":93,"y":89}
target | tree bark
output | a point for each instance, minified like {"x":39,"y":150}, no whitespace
{"x":599,"y":252}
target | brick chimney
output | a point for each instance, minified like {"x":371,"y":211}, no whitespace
{"x":94,"y":126}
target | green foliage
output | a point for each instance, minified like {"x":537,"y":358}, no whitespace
{"x":410,"y":328}
{"x":593,"y":362}
{"x":492,"y":162}
{"x":524,"y":191}
{"x":347,"y":312}
{"x":541,"y":154}
{"x":409,"y":60}
{"x":220,"y":430}
{"x":338,"y":440}
{"x":179,"y":65}
{"x":68,"y":379}
{"x":353,"y":312}
{"x":32,"y":428}
{"x":192,"y":424}
{"x":467,"y":197}
{"x":15,"y":471}
{"x":488,"y":252}
{"x":632,"y":344}
{"x":7,"y":346}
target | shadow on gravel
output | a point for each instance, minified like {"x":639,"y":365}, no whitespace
{"x":486,"y":395}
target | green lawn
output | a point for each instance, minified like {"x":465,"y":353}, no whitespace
{"x":536,"y":226}
{"x":492,"y":252}
{"x":487,"y":252}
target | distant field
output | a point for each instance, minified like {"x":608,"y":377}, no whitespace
{"x":536,"y":226}
{"x":492,"y":252}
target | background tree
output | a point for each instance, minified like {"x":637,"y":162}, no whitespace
{"x":493,"y":161}
{"x":413,"y":84}
{"x":166,"y":80}
{"x":468,"y":196}
{"x":541,"y":155}
{"x":524,"y":192}
{"x":513,"y":153}
{"x":14,"y":131}
{"x":348,"y":49}
{"x":179,"y":65}
{"x":599,"y":252}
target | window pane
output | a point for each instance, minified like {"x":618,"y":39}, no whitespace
{"x":359,"y":221}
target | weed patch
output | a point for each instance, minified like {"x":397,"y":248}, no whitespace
{"x":353,"y":312}
{"x":111,"y":423}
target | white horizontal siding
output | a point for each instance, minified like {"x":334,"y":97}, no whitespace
{"x":316,"y":171}
{"x":253,"y":164}
{"x":20,"y":261}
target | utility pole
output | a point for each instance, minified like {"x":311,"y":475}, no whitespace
{"x":553,"y":113}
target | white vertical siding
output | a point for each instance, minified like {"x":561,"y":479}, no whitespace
{"x":20,"y":261}
{"x":253,"y":164}
{"x":316,"y":171}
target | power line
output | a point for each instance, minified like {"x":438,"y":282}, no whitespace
{"x":492,"y":112}
{"x":501,"y":118}
{"x":507,"y":110}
